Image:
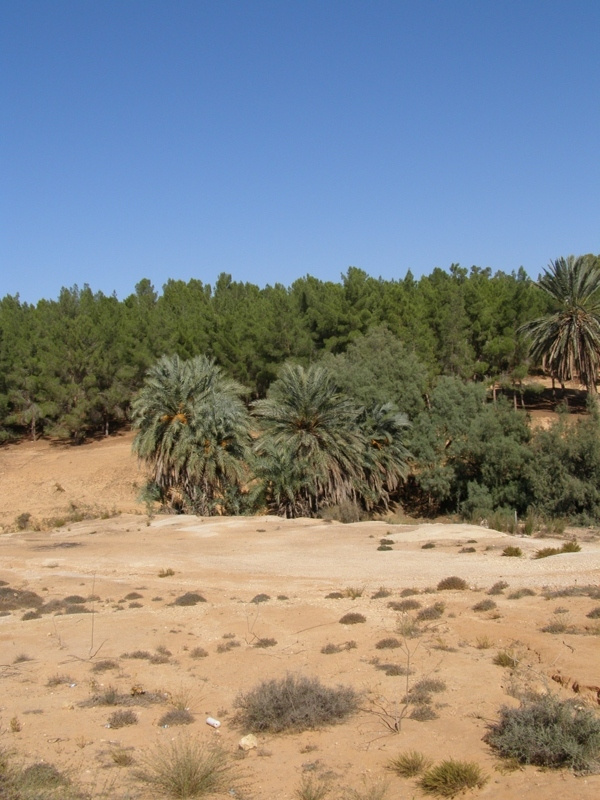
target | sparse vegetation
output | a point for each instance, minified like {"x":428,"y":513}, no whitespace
{"x":430,"y":613}
{"x":404,"y":605}
{"x":548,"y":732}
{"x":166,"y":573}
{"x":519,"y":593}
{"x":506,"y":658}
{"x":260,"y":598}
{"x":512,"y":552}
{"x":381,"y":593}
{"x":389,"y":643}
{"x":312,"y":788}
{"x":294,"y":703}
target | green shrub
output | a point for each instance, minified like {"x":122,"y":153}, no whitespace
{"x":548,"y":732}
{"x":294,"y":703}
{"x":409,"y":764}
{"x":450,"y":777}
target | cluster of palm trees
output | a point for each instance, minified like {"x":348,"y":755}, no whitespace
{"x":304,"y":447}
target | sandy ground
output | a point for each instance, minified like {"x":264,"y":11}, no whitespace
{"x":51,"y":675}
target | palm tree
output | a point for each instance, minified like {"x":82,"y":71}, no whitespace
{"x":310,"y":431}
{"x":567,"y":341}
{"x":386,"y":456}
{"x":193,"y":431}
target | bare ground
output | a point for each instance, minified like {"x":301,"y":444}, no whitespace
{"x":297,"y":564}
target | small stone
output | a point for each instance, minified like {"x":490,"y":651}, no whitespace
{"x":248,"y":742}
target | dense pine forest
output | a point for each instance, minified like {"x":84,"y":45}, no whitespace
{"x":429,"y":377}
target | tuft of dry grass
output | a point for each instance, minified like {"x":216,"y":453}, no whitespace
{"x":409,"y":764}
{"x":186,"y":768}
{"x":450,"y":777}
{"x":352,"y":618}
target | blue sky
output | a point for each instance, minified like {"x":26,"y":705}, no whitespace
{"x":277,"y":138}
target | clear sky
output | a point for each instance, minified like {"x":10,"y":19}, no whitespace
{"x":271,"y":139}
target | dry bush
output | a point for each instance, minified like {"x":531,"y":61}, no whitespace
{"x":312,"y":788}
{"x":404,"y":605}
{"x":389,"y":643}
{"x":198,"y":652}
{"x":452,"y":583}
{"x":121,"y":718}
{"x":431,"y":612}
{"x":294,"y":703}
{"x":265,"y":642}
{"x":506,"y":658}
{"x":512,"y":552}
{"x":484,"y":605}
{"x":176,"y":716}
{"x":352,"y":618}
{"x":105,"y":664}
{"x":519,"y":593}
{"x":380,"y":593}
{"x":189,"y":599}
{"x":498,"y":587}
{"x":260,"y":598}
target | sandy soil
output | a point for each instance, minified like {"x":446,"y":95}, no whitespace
{"x":49,"y":664}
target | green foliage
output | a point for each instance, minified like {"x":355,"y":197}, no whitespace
{"x":409,"y":764}
{"x":194,"y":433}
{"x":567,"y":341}
{"x":548,"y":732}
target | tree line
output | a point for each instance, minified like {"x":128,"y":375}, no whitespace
{"x":412,"y":361}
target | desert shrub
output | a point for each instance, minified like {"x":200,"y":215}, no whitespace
{"x":75,"y":599}
{"x":185,"y":768}
{"x":133,"y":596}
{"x":189,"y":599}
{"x":121,"y":718}
{"x":404,"y":605}
{"x":498,"y":587}
{"x":571,"y":547}
{"x":225,"y":647}
{"x":176,"y":716}
{"x":548,"y":732}
{"x":312,"y":788}
{"x":450,"y":777}
{"x":589,"y":590}
{"x":431,"y":612}
{"x":408,"y":592}
{"x":380,"y":593}
{"x":334,"y":596}
{"x":31,"y":615}
{"x":166,"y":573}
{"x":452,"y":582}
{"x":545,"y":552}
{"x":22,"y":521}
{"x":484,"y":605}
{"x":354,"y":592}
{"x":386,"y":541}
{"x":385,"y":547}
{"x":105,"y":664}
{"x":512,"y":552}
{"x":594,"y":613}
{"x":138,"y":654}
{"x":428,"y":546}
{"x":408,"y":627}
{"x":467,"y":550}
{"x":260,"y":598}
{"x":423,"y":713}
{"x":295,"y":703}
{"x":389,"y":643}
{"x":329,"y":649}
{"x":59,"y":679}
{"x":121,"y":757}
{"x":519,"y":593}
{"x":409,"y":764}
{"x":265,"y":642}
{"x":506,"y":658}
{"x":352,"y":618}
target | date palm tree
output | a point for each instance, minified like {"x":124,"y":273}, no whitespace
{"x":386,"y":456}
{"x":193,"y":431}
{"x":567,"y":340}
{"x":312,"y":432}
